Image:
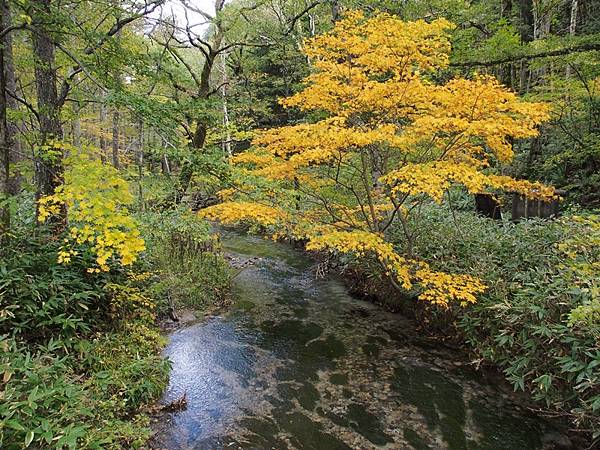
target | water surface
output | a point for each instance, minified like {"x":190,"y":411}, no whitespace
{"x":299,"y":364}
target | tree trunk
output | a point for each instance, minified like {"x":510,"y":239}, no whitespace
{"x":199,"y":138}
{"x":115,"y":139}
{"x":165,"y":166}
{"x":227,"y":134}
{"x":76,"y":124}
{"x":12,"y":129}
{"x":5,"y":146}
{"x":526,"y":33}
{"x":572,"y":28}
{"x":103,"y":130}
{"x":336,"y":11}
{"x":542,"y":19}
{"x":542,"y":16}
{"x":140,"y":161}
{"x":48,"y":166}
{"x":506,"y":70}
{"x":506,"y":8}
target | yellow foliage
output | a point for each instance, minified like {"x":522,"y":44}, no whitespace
{"x":390,"y":137}
{"x":129,"y":302}
{"x":437,"y":287}
{"x":435,"y":178}
{"x":96,"y":198}
{"x":234,"y":212}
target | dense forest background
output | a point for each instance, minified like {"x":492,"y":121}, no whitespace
{"x":117,"y":76}
{"x":119,"y":119}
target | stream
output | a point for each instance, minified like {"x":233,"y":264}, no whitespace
{"x":297,"y":363}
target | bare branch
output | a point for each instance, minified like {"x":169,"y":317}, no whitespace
{"x":301,"y":14}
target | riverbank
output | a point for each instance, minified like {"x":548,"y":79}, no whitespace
{"x":80,"y":353}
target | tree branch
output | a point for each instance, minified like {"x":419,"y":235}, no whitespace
{"x":301,"y":14}
{"x":28,"y":105}
{"x":5,"y":31}
{"x":590,"y":46}
{"x":149,"y":8}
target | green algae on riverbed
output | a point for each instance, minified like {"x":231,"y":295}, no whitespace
{"x":298,"y":363}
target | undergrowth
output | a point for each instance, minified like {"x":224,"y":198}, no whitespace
{"x":538,"y":319}
{"x":187,"y":257}
{"x":80,"y":351}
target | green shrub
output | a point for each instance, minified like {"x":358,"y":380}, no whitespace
{"x":192,"y":271}
{"x":41,"y":298}
{"x":41,"y":403}
{"x":80,"y":356}
{"x":88,"y":399}
{"x":521,"y":323}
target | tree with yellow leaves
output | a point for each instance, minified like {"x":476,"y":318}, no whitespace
{"x":388,"y":138}
{"x":96,"y":198}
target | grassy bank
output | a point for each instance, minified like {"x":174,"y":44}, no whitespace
{"x":186,"y":258}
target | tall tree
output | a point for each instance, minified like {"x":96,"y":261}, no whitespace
{"x":384,"y":140}
{"x":5,"y":144}
{"x":48,"y":165}
{"x":210,"y":49}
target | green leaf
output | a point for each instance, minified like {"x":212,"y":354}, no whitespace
{"x":14,"y":425}
{"x":28,"y":438}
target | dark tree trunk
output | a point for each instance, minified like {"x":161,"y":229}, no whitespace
{"x":48,"y":167}
{"x":487,"y":205}
{"x":526,"y":32}
{"x":115,"y":140}
{"x":526,"y":20}
{"x":506,"y":70}
{"x":5,"y":145}
{"x":14,"y":180}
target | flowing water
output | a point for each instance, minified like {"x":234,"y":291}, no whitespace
{"x":298,"y":363}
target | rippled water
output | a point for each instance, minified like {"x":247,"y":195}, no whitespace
{"x":300,"y":364}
